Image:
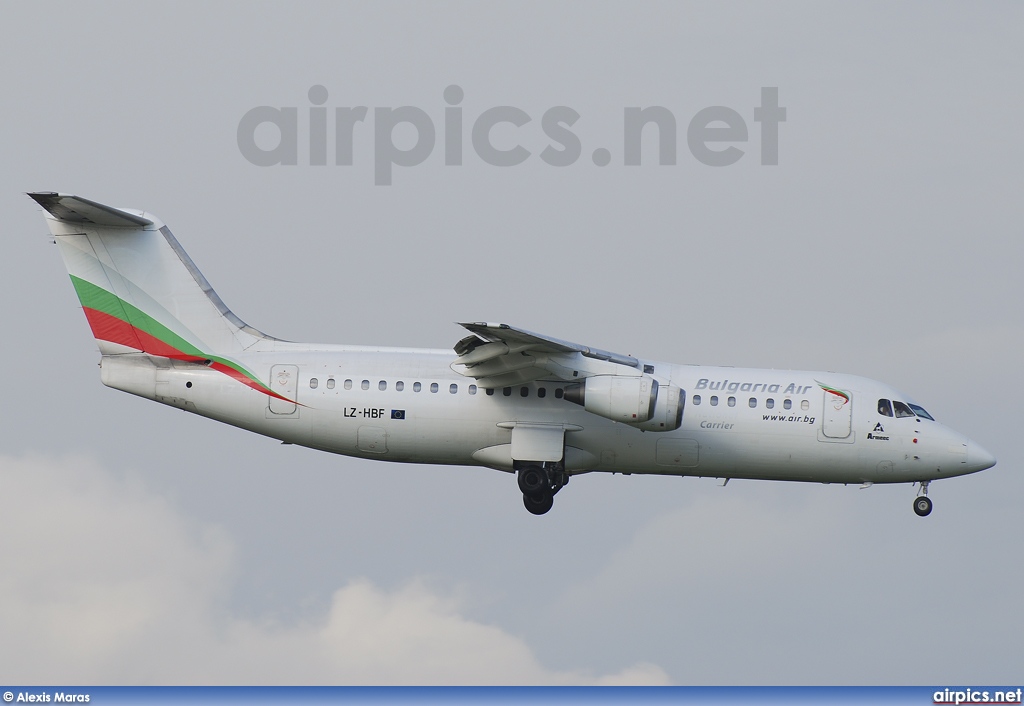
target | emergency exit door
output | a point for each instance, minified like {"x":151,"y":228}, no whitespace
{"x":284,"y":381}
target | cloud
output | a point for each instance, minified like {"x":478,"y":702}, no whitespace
{"x":105,"y":582}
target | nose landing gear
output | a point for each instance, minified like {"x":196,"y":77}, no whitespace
{"x":922,"y":503}
{"x":539,"y":483}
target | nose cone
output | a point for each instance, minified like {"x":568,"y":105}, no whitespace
{"x":978,"y":458}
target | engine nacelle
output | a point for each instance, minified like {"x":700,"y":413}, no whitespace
{"x":617,"y":397}
{"x":668,"y":414}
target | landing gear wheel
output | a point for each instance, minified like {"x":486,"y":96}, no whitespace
{"x":923,"y":505}
{"x":538,"y":504}
{"x":533,"y":480}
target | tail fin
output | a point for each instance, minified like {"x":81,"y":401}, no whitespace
{"x":139,"y":289}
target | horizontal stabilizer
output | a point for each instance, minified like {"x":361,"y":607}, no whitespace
{"x":139,"y":290}
{"x":75,"y":209}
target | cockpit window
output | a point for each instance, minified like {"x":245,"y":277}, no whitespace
{"x":884,"y":408}
{"x":902,"y":410}
{"x":920,"y":411}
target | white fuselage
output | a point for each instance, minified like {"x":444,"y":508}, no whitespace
{"x":409,"y":405}
{"x":502,"y":397}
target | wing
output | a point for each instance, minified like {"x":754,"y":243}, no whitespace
{"x":499,"y":355}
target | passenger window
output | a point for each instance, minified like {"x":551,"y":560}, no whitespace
{"x":805,"y":405}
{"x":788,"y":404}
{"x":472,"y":389}
{"x":769,"y":403}
{"x":453,"y":388}
{"x":399,"y":385}
{"x":558,"y":393}
{"x":313,"y":383}
{"x":365,"y":384}
{"x":416,"y":387}
{"x":433,"y":387}
{"x":884,"y":408}
{"x":714,"y":400}
{"x":524,"y":392}
{"x":732,"y":401}
{"x":542,"y":392}
{"x":348,"y":384}
{"x":507,"y":391}
{"x":902,"y":410}
{"x":382,"y":386}
{"x":330,"y":383}
{"x":696,"y":399}
{"x":753,"y":402}
{"x":490,"y":391}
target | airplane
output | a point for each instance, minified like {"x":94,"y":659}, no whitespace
{"x":541,"y":408}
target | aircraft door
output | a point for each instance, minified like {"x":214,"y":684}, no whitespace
{"x":837,"y":415}
{"x":284,"y":380}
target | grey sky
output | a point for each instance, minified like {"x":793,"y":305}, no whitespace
{"x":144,"y":545}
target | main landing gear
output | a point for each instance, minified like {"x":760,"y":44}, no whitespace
{"x":922,"y":503}
{"x":539,"y":482}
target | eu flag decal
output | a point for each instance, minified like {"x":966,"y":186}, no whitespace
{"x":398,"y":414}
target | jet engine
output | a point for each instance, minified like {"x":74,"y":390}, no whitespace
{"x":618,"y":397}
{"x":638,"y":401}
{"x":668,"y":413}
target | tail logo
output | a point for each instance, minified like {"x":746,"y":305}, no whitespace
{"x":117,"y":321}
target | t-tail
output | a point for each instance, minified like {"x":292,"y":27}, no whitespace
{"x":140,"y":291}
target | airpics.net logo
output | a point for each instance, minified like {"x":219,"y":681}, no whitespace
{"x":716,"y":136}
{"x":974,"y":697}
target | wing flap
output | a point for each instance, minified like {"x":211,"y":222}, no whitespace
{"x":499,"y":355}
{"x":535,"y":341}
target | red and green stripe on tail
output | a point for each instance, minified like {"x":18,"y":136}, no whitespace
{"x":115,"y":320}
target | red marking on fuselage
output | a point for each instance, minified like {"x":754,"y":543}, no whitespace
{"x":110,"y":328}
{"x":245,"y":380}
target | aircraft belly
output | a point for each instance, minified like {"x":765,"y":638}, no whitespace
{"x":404,"y":437}
{"x":795,"y":457}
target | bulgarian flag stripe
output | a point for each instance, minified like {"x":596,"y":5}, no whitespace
{"x":110,"y":328}
{"x":115,"y":320}
{"x":834,"y":391}
{"x":235,"y":373}
{"x":94,"y":297}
